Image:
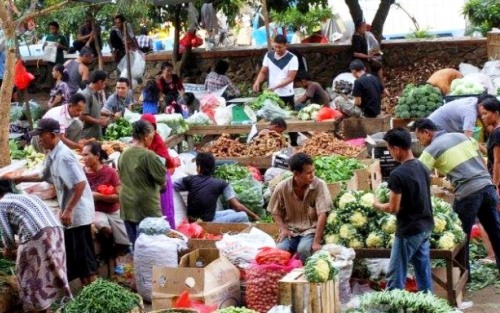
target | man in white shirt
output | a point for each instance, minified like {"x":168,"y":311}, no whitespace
{"x":69,"y":121}
{"x":280,"y":67}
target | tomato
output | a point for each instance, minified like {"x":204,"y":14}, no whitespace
{"x":106,"y":190}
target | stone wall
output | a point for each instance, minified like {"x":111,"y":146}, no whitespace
{"x":324,"y":61}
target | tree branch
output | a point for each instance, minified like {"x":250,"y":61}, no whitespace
{"x":32,"y":13}
{"x":380,"y":17}
{"x":354,"y":9}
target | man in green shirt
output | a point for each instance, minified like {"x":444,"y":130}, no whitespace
{"x":54,"y":36}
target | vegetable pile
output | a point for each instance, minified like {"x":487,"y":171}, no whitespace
{"x":7,"y":267}
{"x":232,"y":309}
{"x":231,"y":172}
{"x":104,"y":297}
{"x":259,"y":102}
{"x":119,"y":129}
{"x":482,"y":276}
{"x":175,"y":121}
{"x":262,"y":145}
{"x":319,"y":267}
{"x":34,"y":158}
{"x":461,"y":87}
{"x":402,"y":301}
{"x":327,"y":144}
{"x":333,"y":169}
{"x":15,"y":152}
{"x":309,"y":112}
{"x":356,"y":224}
{"x":418,"y":101}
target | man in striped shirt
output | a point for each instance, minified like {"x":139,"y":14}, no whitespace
{"x":459,"y":158}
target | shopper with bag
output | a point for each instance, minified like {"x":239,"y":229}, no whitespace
{"x":59,"y":41}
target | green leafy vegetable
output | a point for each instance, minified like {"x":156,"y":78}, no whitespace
{"x":233,"y":309}
{"x":119,"y":129}
{"x":335,"y":168}
{"x":15,"y":152}
{"x":259,"y":102}
{"x":231,"y":172}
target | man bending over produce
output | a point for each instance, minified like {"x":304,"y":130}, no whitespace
{"x":458,"y":157}
{"x":204,"y":191}
{"x":314,"y":92}
{"x":410,"y":201}
{"x":277,"y":125}
{"x":299,"y":206}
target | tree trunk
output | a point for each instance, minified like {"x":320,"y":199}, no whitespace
{"x":355,"y":10}
{"x":91,"y":14}
{"x":177,"y":30}
{"x":380,"y":17}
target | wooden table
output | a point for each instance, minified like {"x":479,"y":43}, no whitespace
{"x":455,"y":286}
{"x":292,"y":126}
{"x":175,"y":141}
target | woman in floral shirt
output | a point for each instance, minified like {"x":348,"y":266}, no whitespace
{"x":59,"y":94}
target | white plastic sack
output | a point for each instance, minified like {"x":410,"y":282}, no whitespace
{"x":163,"y":130}
{"x":280,"y":309}
{"x":343,"y":76}
{"x":153,"y":226}
{"x":491,"y":69}
{"x":223,"y":115}
{"x":131,"y":116}
{"x":271,"y":110}
{"x":188,"y":166}
{"x":466,"y":69}
{"x":137,"y":65}
{"x":483,"y":80}
{"x":199,"y":91}
{"x":241,"y":249}
{"x":149,"y":251}
{"x":180,"y":198}
{"x":377,"y":267}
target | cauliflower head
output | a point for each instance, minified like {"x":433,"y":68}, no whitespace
{"x":374,"y":240}
{"x":439,"y":225}
{"x":332,"y":218}
{"x":345,"y":199}
{"x":389,"y":224}
{"x":332,"y":238}
{"x":447,"y":241}
{"x":367,"y":200}
{"x":355,"y":243}
{"x":358,"y":219}
{"x":347,"y":231}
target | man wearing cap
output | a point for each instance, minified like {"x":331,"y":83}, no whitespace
{"x":91,"y":115}
{"x":78,"y":70}
{"x":367,"y":90}
{"x":74,"y":197}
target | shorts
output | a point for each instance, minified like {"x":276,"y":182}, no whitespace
{"x":80,"y":254}
{"x":115,"y":222}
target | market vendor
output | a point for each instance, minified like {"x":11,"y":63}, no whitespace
{"x":277,"y":125}
{"x":120,"y":100}
{"x":367,"y":90}
{"x":204,"y":191}
{"x":41,"y":245}
{"x":314,"y":92}
{"x":442,"y":79}
{"x":410,"y":201}
{"x":299,"y":206}
{"x":459,"y":158}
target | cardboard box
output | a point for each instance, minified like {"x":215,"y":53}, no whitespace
{"x":215,"y":229}
{"x":304,"y":296}
{"x":367,"y":178}
{"x":217,"y":282}
{"x":441,"y":292}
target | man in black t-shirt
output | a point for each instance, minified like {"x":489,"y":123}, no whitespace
{"x":204,"y":191}
{"x":410,"y":201}
{"x":367,"y":90}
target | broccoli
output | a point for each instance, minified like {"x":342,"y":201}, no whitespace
{"x":422,"y":107}
{"x":405,"y":115}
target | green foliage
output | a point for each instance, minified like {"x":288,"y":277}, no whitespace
{"x":482,"y":14}
{"x":306,"y":22}
{"x":422,"y":33}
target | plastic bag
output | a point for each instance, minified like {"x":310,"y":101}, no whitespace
{"x":241,"y":249}
{"x":223,"y":115}
{"x":249,"y":193}
{"x":255,"y":173}
{"x":163,"y":130}
{"x":22,"y":78}
{"x":137,"y":65}
{"x":344,"y":263}
{"x":208,"y":104}
{"x":269,"y":255}
{"x":466,"y":69}
{"x":327,"y":114}
{"x":191,"y":230}
{"x":198,"y":118}
{"x":131,"y":116}
{"x":483,"y":80}
{"x":184,"y":302}
{"x":271,"y":110}
{"x":491,"y":69}
{"x":146,"y":251}
{"x":262,"y":288}
{"x":154,"y":226}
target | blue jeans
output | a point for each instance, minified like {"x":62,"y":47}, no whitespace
{"x":301,"y":245}
{"x":414,"y":249}
{"x":230,"y":216}
{"x":483,"y":206}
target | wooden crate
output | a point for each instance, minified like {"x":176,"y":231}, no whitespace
{"x":401,"y":122}
{"x":493,"y":45}
{"x":303,"y":296}
{"x":360,"y":127}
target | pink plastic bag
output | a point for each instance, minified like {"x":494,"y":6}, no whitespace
{"x":184,"y":302}
{"x":208,"y":104}
{"x":262,"y":284}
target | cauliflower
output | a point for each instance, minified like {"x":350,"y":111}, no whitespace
{"x":374,"y":240}
{"x":358,"y":219}
{"x":439,"y":225}
{"x":347,"y":231}
{"x":382,"y":193}
{"x":345,"y":199}
{"x":390,"y":241}
{"x":447,"y":241}
{"x":367,"y":200}
{"x":389,"y":224}
{"x":319,"y":267}
{"x":332,"y":238}
{"x":314,"y":115}
{"x":355,"y":243}
{"x":332,"y":219}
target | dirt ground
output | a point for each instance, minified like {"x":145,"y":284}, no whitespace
{"x":485,"y":301}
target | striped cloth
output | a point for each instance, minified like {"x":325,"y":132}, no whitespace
{"x":24,"y":215}
{"x":459,"y":158}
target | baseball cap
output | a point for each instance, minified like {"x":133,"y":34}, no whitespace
{"x":149,"y":118}
{"x":356,"y":65}
{"x":46,"y":125}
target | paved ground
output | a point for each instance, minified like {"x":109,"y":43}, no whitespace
{"x":485,"y":301}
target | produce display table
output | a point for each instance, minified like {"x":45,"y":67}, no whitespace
{"x":456,"y":272}
{"x":175,"y":141}
{"x":292,"y":126}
